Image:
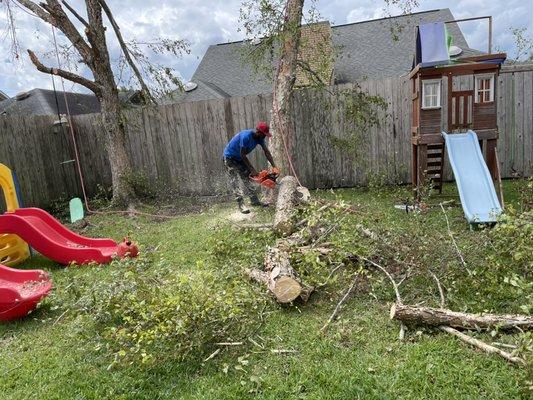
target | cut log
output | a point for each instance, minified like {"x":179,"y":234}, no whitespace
{"x":439,"y":316}
{"x":279,"y":277}
{"x":284,"y":282}
{"x":285,"y":206}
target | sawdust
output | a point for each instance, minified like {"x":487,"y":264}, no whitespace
{"x":237,"y":216}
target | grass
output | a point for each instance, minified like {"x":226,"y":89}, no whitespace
{"x":59,"y":352}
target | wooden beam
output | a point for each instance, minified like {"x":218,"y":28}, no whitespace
{"x":436,"y":138}
{"x":483,"y":57}
{"x":458,"y":69}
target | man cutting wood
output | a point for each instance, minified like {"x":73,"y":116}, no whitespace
{"x":239,"y":167}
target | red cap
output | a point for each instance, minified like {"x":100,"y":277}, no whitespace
{"x":263,"y":128}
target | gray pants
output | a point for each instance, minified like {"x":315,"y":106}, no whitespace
{"x":238,"y":174}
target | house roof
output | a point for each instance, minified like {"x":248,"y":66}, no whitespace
{"x":367,"y":50}
{"x":3,"y":96}
{"x":45,"y":102}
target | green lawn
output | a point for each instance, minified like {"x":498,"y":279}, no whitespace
{"x":65,"y":351}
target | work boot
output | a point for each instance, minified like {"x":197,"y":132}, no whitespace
{"x":242,"y":206}
{"x":254,"y":201}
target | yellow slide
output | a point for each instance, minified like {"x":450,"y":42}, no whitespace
{"x":13,"y":249}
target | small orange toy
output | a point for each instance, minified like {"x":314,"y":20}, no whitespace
{"x":127,"y":248}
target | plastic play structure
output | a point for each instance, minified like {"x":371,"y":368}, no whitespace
{"x":20,"y":291}
{"x":466,"y":109}
{"x":476,"y":189}
{"x":12,"y":249}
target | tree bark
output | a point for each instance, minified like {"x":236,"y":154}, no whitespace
{"x":282,"y":106}
{"x":115,"y":143}
{"x":285,"y":206}
{"x":438,"y":317}
{"x":112,"y":117}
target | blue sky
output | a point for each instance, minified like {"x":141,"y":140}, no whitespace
{"x":204,"y":22}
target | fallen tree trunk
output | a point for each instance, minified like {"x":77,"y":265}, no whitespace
{"x":281,"y":280}
{"x":439,"y":316}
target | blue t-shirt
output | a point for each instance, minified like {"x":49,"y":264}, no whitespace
{"x":242,"y":140}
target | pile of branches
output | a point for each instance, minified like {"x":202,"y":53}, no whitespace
{"x":301,"y":236}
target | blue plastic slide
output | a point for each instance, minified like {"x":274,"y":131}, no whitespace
{"x":476,"y":189}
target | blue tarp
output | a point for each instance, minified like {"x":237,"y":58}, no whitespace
{"x":432,"y":45}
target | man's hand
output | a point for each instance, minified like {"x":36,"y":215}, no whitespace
{"x":275,"y":170}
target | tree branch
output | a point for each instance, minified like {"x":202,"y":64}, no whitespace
{"x":75,"y":13}
{"x":37,"y":10}
{"x":66,"y":26}
{"x":116,"y":28}
{"x":483,"y":346}
{"x":65,"y":74}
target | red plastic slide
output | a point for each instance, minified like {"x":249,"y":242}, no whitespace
{"x":20,"y":291}
{"x":46,"y":235}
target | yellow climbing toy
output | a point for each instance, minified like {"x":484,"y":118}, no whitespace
{"x":13,"y":249}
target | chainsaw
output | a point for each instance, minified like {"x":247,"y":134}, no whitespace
{"x":266,"y":178}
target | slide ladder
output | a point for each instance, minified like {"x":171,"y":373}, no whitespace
{"x":435,"y":165}
{"x":474,"y":182}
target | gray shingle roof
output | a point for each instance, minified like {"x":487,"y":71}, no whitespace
{"x":43,"y":102}
{"x":367,"y":50}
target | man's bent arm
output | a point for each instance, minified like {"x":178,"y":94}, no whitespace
{"x":268,"y":155}
{"x":252,"y":170}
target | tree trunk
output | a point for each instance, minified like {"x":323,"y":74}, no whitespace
{"x":282,"y":107}
{"x":439,"y":316}
{"x":285,"y":206}
{"x":115,"y":143}
{"x":113,"y":121}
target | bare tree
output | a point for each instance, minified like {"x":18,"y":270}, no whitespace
{"x":93,"y":49}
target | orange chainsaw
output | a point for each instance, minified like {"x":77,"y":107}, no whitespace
{"x":266,"y":178}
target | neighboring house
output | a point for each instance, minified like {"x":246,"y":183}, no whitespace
{"x":3,"y":96}
{"x":366,"y":50}
{"x":48,"y":102}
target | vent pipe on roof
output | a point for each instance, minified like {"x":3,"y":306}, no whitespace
{"x":22,"y":96}
{"x":190,"y":86}
{"x":455,"y":50}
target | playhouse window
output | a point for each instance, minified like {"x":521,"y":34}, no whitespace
{"x":431,"y":93}
{"x":484,"y":88}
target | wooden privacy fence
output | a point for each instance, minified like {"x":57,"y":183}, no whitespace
{"x":179,"y":146}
